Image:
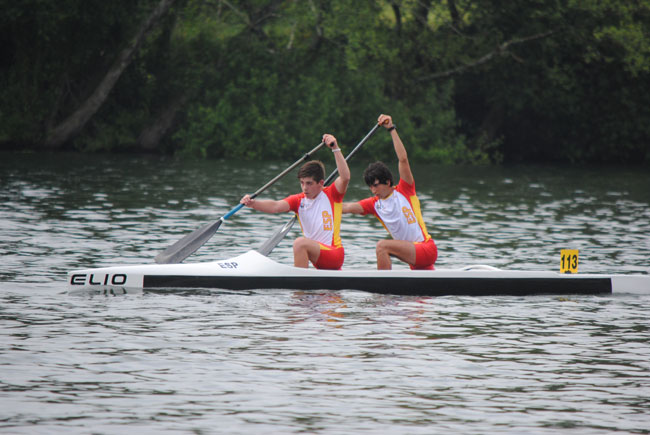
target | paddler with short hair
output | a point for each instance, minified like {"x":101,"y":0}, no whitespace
{"x":318,"y":209}
{"x":397,"y":208}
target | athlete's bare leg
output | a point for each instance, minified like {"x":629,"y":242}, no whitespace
{"x":304,"y":251}
{"x":401,"y":249}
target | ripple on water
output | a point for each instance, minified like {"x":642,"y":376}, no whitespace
{"x":318,"y":362}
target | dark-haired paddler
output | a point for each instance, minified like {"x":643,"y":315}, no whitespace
{"x":397,"y":208}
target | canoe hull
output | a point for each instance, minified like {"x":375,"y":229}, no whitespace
{"x":421,"y":286}
{"x":255,"y":271}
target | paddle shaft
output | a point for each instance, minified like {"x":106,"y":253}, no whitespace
{"x":335,"y":172}
{"x":273,"y":181}
{"x":189,"y":244}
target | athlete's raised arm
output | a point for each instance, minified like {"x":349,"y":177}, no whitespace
{"x":402,"y":157}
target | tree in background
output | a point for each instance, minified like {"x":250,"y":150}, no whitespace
{"x":54,"y":55}
{"x":466,"y":80}
{"x":75,"y":122}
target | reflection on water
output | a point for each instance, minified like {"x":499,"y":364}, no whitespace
{"x":317,"y":362}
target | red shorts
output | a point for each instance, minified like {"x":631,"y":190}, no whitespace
{"x":330,"y":257}
{"x":426,"y":254}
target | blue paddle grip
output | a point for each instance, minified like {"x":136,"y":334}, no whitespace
{"x":233,"y":211}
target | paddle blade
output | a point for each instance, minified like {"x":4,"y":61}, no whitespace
{"x":186,"y":246}
{"x":276,"y":238}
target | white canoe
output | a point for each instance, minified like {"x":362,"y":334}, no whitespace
{"x":255,"y":271}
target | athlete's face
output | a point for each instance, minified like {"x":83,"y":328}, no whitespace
{"x":310,"y":187}
{"x":381,"y":190}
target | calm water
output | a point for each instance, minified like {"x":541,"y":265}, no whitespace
{"x":318,"y":362}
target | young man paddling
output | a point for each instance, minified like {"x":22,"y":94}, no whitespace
{"x":398,"y":209}
{"x":318,"y":209}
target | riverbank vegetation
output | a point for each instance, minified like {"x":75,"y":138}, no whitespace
{"x":467,"y":81}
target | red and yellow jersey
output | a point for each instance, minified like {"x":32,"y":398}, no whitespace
{"x":399,"y":213}
{"x":320,"y":218}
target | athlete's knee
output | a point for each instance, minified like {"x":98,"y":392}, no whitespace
{"x":301,"y":244}
{"x":382,"y":247}
{"x":300,"y":241}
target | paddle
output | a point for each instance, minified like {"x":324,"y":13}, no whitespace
{"x":186,"y":246}
{"x":277,"y":237}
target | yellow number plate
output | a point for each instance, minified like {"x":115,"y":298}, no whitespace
{"x":569,"y":261}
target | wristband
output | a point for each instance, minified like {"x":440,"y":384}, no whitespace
{"x":392,"y":128}
{"x":336,"y":149}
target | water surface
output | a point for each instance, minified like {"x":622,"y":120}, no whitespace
{"x":318,"y":362}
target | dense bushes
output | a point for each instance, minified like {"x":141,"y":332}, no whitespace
{"x":466,"y":81}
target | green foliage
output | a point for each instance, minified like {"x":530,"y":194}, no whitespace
{"x":262,"y":79}
{"x":616,"y":32}
{"x":259,"y":113}
{"x":54,"y":53}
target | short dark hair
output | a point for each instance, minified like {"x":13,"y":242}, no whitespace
{"x":314,"y":169}
{"x":377,"y":171}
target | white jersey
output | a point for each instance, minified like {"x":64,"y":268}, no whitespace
{"x":320,"y":218}
{"x":400,"y":214}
